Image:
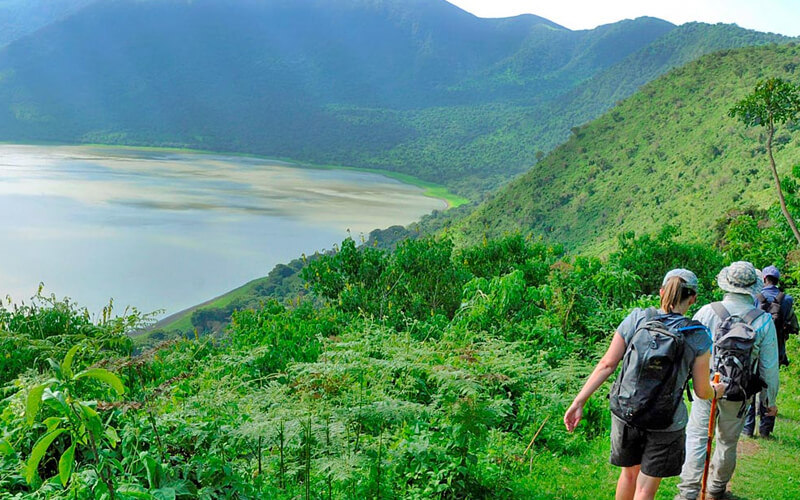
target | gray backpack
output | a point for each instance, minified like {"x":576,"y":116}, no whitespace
{"x":647,"y":391}
{"x":734,"y":340}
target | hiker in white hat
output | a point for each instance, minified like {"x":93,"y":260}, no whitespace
{"x":742,"y":282}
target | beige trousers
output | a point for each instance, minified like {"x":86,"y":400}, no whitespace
{"x":723,"y":460}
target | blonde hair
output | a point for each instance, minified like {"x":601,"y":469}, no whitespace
{"x":674,"y":293}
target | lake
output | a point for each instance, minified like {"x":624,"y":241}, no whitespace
{"x":168,"y":230}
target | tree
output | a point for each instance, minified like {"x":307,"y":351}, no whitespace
{"x":773,"y":102}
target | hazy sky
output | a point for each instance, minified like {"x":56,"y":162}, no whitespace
{"x":776,"y":16}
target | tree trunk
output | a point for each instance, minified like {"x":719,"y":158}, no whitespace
{"x":777,"y":179}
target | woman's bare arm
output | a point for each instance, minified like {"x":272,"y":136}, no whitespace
{"x":605,"y":367}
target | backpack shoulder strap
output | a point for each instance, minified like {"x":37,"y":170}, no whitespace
{"x":650,"y":313}
{"x":690,"y":325}
{"x":761,"y":299}
{"x":720,"y":310}
{"x":752,"y":315}
{"x":780,"y":297}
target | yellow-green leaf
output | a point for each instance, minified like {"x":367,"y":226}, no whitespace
{"x":39,"y":449}
{"x":52,"y":423}
{"x":112,"y":436}
{"x":92,"y":420}
{"x":65,"y":464}
{"x":6,"y":448}
{"x":103,"y":375}
{"x":33,"y":403}
{"x":135,"y":491}
{"x":88,"y":412}
{"x":66,"y":365}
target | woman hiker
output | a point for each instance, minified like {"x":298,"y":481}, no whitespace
{"x":648,"y":454}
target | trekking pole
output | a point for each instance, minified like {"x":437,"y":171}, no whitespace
{"x":711,"y":425}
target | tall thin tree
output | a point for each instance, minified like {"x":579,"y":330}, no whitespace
{"x":773,"y":102}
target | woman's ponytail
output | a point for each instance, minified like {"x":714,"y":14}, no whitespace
{"x":674,"y":293}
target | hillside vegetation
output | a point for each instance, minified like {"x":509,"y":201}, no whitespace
{"x":669,"y":154}
{"x":426,"y":372}
{"x":419,"y":87}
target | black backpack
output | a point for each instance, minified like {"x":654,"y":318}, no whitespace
{"x":734,"y":339}
{"x":774,"y":308}
{"x":647,"y":391}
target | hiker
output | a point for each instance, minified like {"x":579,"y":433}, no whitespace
{"x":780,"y":306}
{"x":741,"y":282}
{"x":647,"y":454}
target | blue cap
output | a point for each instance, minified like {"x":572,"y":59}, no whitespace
{"x":771,"y":271}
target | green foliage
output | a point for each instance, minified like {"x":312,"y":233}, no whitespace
{"x":755,"y":239}
{"x":278,"y":336}
{"x":500,"y":256}
{"x":57,"y":405}
{"x":649,"y":257}
{"x":668,"y":155}
{"x":773,"y":101}
{"x":418,"y":280}
{"x":455,"y":391}
{"x":282,"y":283}
{"x":48,"y":327}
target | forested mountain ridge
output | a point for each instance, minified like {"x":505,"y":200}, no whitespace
{"x":21,"y":17}
{"x":419,"y":87}
{"x":670,"y":154}
{"x":680,"y":46}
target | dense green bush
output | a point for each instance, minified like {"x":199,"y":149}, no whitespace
{"x":423,"y":372}
{"x":47,"y":327}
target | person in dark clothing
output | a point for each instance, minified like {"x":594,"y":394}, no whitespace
{"x":772,"y":278}
{"x":783,"y":323}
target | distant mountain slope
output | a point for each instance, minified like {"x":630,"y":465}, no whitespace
{"x":417,"y":86}
{"x":668,"y":154}
{"x":678,"y":47}
{"x":21,"y":17}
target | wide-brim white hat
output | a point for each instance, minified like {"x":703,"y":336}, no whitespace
{"x":740,"y":277}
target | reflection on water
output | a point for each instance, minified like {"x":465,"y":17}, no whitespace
{"x":169,"y":230}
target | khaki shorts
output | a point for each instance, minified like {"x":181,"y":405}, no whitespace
{"x":660,"y":454}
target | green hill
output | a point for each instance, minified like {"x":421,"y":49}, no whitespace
{"x":419,"y":87}
{"x":669,"y":154}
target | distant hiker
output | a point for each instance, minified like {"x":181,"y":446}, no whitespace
{"x":780,"y":306}
{"x":661,"y":350}
{"x":746,"y":333}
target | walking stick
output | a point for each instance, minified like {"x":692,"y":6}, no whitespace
{"x":711,"y":425}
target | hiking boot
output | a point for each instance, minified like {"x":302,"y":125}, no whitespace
{"x":719,"y":496}
{"x":681,"y":497}
{"x":747,"y":433}
{"x":765,"y":435}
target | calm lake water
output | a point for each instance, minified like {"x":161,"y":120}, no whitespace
{"x":167,"y":231}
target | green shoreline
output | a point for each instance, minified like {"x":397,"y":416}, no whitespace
{"x":429,"y":189}
{"x":180,"y":320}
